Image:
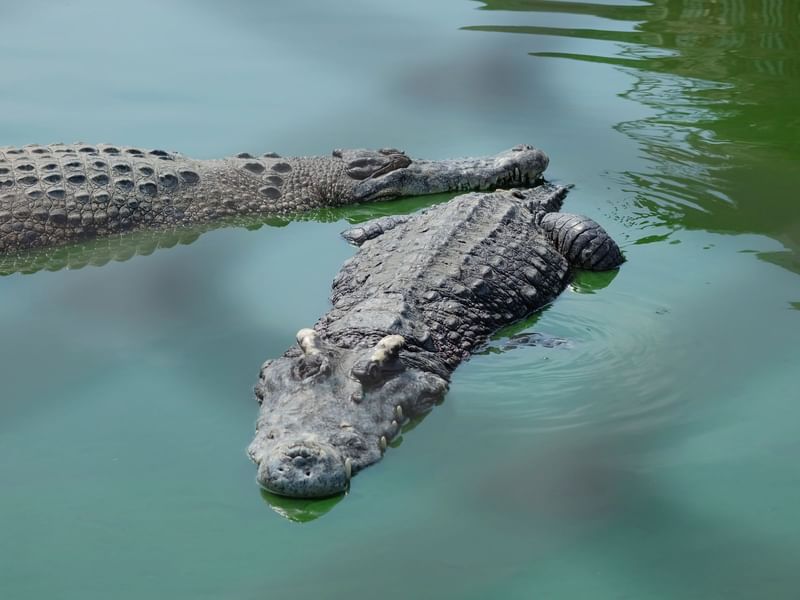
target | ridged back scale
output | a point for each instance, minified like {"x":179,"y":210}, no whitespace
{"x":447,"y":281}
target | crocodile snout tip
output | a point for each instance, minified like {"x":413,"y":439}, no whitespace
{"x":304,"y":469}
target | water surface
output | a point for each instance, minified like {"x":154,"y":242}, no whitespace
{"x":653,"y":456}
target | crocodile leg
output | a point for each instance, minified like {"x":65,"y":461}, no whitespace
{"x":582,"y":241}
{"x":371,"y":229}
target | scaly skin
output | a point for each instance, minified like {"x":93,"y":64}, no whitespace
{"x":420,"y":296}
{"x":51,"y":195}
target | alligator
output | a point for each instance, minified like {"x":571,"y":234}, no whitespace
{"x":52,"y":195}
{"x":419,"y":297}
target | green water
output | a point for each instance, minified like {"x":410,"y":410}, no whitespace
{"x":653,"y":457}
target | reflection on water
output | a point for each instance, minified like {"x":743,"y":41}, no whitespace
{"x":591,"y":282}
{"x":300,"y":510}
{"x":723,"y":80}
{"x":121,"y":247}
{"x":97,"y":252}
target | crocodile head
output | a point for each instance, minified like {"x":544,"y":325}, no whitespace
{"x":329,"y":412}
{"x":388,"y":173}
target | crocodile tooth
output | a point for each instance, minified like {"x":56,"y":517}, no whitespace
{"x":399,"y":412}
{"x":383,"y":442}
{"x":348,"y":468}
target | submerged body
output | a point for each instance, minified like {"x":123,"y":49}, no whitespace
{"x":51,"y":195}
{"x":419,"y":297}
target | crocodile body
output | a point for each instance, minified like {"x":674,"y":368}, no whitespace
{"x":418,"y":298}
{"x":51,"y":195}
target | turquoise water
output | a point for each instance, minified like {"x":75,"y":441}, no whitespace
{"x":653,"y":457}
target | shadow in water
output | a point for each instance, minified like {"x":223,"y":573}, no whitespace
{"x":121,"y":247}
{"x":596,"y":489}
{"x":723,"y":79}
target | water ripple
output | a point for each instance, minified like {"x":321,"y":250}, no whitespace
{"x":613,"y":371}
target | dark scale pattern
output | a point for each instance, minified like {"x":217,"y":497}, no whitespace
{"x":53,"y":194}
{"x":447,"y":279}
{"x":582,"y":240}
{"x":274,"y":185}
{"x":306,"y":184}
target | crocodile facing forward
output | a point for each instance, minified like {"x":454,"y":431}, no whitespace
{"x":51,"y":195}
{"x":418,"y":298}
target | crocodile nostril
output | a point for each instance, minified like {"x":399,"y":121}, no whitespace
{"x":304,"y":469}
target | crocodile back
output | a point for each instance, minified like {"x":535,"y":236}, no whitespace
{"x":61,"y":192}
{"x":448,"y":278}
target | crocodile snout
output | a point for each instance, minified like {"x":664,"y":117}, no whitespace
{"x":521,"y":165}
{"x":303,"y":469}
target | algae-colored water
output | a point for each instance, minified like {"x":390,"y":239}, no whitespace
{"x":655,"y":456}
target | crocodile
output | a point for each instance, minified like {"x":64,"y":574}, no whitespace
{"x":420,"y":296}
{"x":54,"y":194}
